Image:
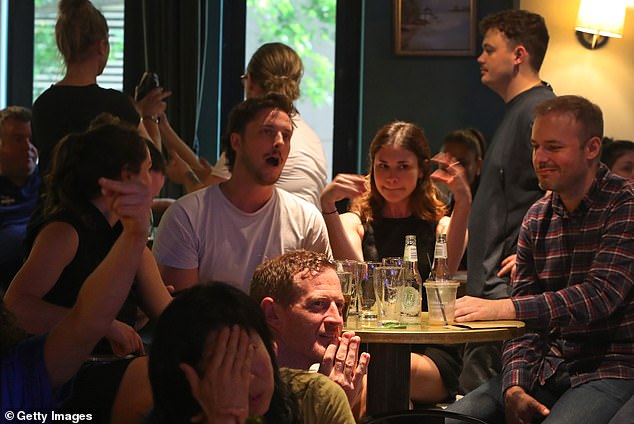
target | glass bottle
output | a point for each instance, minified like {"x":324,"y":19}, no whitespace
{"x":440,"y":269}
{"x":412,"y":282}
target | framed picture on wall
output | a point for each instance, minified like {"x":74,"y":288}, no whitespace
{"x":435,"y":27}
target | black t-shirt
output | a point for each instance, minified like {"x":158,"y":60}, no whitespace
{"x":385,"y":237}
{"x":64,"y":109}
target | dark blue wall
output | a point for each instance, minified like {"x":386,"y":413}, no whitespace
{"x":439,"y":94}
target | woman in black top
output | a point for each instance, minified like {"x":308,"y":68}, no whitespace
{"x":397,"y":198}
{"x":78,"y":228}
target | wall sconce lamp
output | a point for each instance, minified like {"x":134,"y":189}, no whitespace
{"x":598,"y":20}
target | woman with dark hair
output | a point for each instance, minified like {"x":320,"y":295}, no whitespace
{"x":398,"y":189}
{"x":468,"y":147}
{"x":395,"y":199}
{"x":81,"y":33}
{"x":213,"y":361}
{"x":77,"y":230}
{"x":35,"y":370}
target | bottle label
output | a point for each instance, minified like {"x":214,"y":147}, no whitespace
{"x":411,"y":301}
{"x":410,"y":254}
{"x":440,"y":251}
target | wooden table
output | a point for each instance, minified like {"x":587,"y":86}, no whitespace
{"x":390,"y":348}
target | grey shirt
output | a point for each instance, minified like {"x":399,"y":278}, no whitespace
{"x":508,"y":187}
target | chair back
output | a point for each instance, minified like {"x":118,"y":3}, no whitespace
{"x":428,"y":416}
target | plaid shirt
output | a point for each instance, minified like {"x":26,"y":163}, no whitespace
{"x":573,"y":288}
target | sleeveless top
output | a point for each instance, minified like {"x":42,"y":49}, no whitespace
{"x":96,"y":238}
{"x":385,"y":237}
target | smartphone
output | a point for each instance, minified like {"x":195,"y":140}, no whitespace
{"x":149,"y":81}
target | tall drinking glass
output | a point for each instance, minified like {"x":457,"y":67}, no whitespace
{"x":368,"y":308}
{"x":392,"y":261}
{"x":388,"y":281}
{"x":345,"y":278}
{"x":349,"y":265}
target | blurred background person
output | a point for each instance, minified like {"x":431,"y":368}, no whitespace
{"x":19,"y":188}
{"x":618,"y":155}
{"x":468,"y":147}
{"x":158,"y":170}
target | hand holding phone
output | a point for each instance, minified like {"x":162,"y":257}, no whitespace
{"x":149,"y":81}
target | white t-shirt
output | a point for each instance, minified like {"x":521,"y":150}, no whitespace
{"x":205,"y":230}
{"x":304,"y":172}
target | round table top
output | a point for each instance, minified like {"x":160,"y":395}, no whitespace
{"x":423,"y":333}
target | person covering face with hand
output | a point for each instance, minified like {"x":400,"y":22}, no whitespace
{"x":213,"y":361}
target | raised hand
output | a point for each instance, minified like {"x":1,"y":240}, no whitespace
{"x":343,"y":186}
{"x":221,"y":385}
{"x":343,"y":365}
{"x":131,"y":201}
{"x":452,"y":174}
{"x":153,"y":104}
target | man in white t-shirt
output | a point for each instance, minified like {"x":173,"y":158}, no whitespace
{"x":276,"y":67}
{"x":222,"y":232}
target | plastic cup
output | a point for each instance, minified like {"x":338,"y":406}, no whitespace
{"x":441,"y":301}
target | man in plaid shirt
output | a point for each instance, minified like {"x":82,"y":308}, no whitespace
{"x":573,"y":288}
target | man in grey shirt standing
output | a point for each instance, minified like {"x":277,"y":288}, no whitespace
{"x":513,"y":49}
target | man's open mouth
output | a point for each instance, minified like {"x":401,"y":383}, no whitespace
{"x":273,"y":161}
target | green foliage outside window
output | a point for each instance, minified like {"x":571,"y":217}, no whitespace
{"x":301,"y":25}
{"x":279,"y":20}
{"x":46,"y":58}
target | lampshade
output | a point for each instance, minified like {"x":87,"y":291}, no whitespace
{"x":602,"y":17}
